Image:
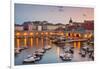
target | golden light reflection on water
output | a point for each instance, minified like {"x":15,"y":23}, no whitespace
{"x":79,"y":44}
{"x":42,"y":41}
{"x":18,"y":43}
{"x":31,"y":40}
{"x":37,"y":42}
{"x":25,"y":42}
{"x":75,"y":44}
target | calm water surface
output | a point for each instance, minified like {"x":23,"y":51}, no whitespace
{"x":51,"y":56}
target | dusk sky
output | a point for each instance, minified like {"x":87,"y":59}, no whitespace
{"x":52,"y":14}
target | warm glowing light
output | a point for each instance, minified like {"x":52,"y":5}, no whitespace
{"x":74,"y":34}
{"x":42,"y":33}
{"x":90,"y":35}
{"x":31,"y":40}
{"x":51,"y":33}
{"x":75,"y":44}
{"x":37,"y":42}
{"x":25,"y":33}
{"x":42,"y":42}
{"x":46,"y":33}
{"x":62,"y":34}
{"x":66,"y":35}
{"x":17,"y":33}
{"x":79,"y":44}
{"x":31,"y":33}
{"x":18,"y":43}
{"x":85,"y":36}
{"x":25,"y":42}
{"x":37,"y":33}
{"x":79,"y":35}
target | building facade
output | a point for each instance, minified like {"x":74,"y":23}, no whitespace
{"x":19,"y":27}
{"x":86,"y":25}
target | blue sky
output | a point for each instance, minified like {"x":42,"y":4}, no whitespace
{"x":52,"y":14}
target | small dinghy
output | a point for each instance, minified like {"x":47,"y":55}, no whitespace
{"x":40,"y":51}
{"x":17,"y":51}
{"x":66,"y":57}
{"x":37,"y":58}
{"x":32,"y":59}
{"x":83,"y":53}
{"x":47,"y":47}
{"x":61,"y":55}
{"x":69,"y":49}
{"x":39,"y":54}
{"x":29,"y":60}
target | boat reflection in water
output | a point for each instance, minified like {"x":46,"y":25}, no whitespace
{"x":50,"y":56}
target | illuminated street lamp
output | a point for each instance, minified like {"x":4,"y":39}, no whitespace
{"x":37,"y":33}
{"x":51,"y":33}
{"x":25,"y":34}
{"x":61,"y":33}
{"x":90,"y":35}
{"x":85,"y":36}
{"x":79,"y":35}
{"x":31,"y":33}
{"x":46,"y":33}
{"x":17,"y":33}
{"x":42,"y":33}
